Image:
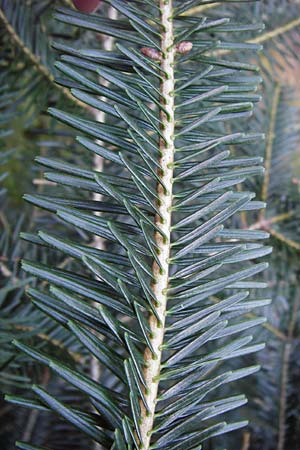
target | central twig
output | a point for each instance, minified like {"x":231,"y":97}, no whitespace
{"x":161,"y":274}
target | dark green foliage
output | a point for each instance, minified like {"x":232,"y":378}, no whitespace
{"x":99,"y":303}
{"x":28,"y":60}
{"x":208,"y":286}
{"x":273,"y":406}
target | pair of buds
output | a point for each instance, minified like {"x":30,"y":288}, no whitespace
{"x":182,"y":48}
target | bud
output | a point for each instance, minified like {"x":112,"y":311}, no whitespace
{"x":151,"y":53}
{"x":86,"y":6}
{"x":184,"y":47}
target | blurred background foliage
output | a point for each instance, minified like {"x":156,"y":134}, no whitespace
{"x":29,"y":37}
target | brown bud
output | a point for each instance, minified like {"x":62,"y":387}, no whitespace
{"x":151,"y":53}
{"x":184,"y":47}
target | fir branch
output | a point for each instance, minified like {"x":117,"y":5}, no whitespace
{"x":149,"y":300}
{"x":283,"y":395}
{"x":34,"y":414}
{"x":283,"y":239}
{"x":77,"y":357}
{"x":265,"y":37}
{"x":43,"y":70}
{"x":100,"y":116}
{"x":285,"y":368}
{"x":246,"y":441}
{"x":269,"y":145}
{"x":268,"y":35}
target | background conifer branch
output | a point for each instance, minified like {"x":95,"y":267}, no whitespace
{"x":41,"y":68}
{"x":269,"y":144}
{"x":286,"y":360}
{"x":100,"y":116}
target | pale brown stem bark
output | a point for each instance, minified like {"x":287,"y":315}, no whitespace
{"x":98,"y":164}
{"x":161,"y":275}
